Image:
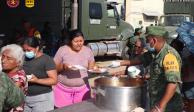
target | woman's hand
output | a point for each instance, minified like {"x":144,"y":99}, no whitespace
{"x":67,"y":67}
{"x":33,"y":79}
{"x":143,"y":77}
{"x":50,"y":80}
{"x":95,"y":68}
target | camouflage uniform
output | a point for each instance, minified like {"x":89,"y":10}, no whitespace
{"x":10,"y":95}
{"x":165,"y":67}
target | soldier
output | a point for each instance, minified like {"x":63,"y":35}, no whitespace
{"x":10,"y":95}
{"x":26,"y":30}
{"x":165,"y":69}
{"x":30,"y":30}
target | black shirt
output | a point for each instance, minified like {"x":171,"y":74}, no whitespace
{"x":39,"y":67}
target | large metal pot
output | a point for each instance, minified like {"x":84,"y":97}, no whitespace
{"x":119,"y":94}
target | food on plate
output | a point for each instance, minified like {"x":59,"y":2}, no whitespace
{"x":98,"y":70}
{"x":29,"y":77}
{"x":77,"y":67}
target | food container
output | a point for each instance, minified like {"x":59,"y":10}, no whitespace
{"x":119,"y":94}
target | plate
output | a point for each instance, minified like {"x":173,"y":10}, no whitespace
{"x":100,"y":70}
{"x":77,"y":67}
{"x":133,"y":71}
{"x":114,"y":64}
{"x":29,"y":77}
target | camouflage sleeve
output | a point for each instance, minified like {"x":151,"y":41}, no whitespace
{"x":15,"y":95}
{"x":172,"y":68}
{"x":146,"y":58}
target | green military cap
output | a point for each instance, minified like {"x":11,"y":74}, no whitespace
{"x":156,"y":31}
{"x":133,"y":39}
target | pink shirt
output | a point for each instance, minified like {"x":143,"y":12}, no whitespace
{"x":19,"y":76}
{"x":73,"y":77}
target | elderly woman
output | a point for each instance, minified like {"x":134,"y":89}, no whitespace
{"x":138,"y":49}
{"x":42,"y":70}
{"x":72,"y":62}
{"x":12,"y":61}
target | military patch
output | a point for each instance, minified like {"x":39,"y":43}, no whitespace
{"x":170,"y":63}
{"x":13,"y":3}
{"x":37,"y":34}
{"x":29,"y":3}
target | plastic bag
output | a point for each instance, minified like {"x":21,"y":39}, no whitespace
{"x":186,"y":35}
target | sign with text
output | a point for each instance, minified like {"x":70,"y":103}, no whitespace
{"x":29,"y":3}
{"x":13,"y":3}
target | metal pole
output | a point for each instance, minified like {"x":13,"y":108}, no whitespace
{"x":74,"y":15}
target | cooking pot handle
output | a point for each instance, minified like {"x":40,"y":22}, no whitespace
{"x":99,"y":91}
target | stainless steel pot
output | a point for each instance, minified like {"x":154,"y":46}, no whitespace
{"x":119,"y":94}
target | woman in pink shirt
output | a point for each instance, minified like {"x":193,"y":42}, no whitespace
{"x":73,"y":61}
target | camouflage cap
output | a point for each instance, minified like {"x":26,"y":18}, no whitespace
{"x":156,"y":31}
{"x":133,"y":39}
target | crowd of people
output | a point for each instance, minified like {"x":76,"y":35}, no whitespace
{"x":165,"y":71}
{"x":33,"y":81}
{"x":45,"y":82}
{"x":169,"y":74}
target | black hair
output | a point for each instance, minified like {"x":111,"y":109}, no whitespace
{"x":32,"y":42}
{"x":137,"y":31}
{"x":177,"y":44}
{"x":73,"y":34}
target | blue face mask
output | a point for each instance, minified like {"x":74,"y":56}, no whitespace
{"x":29,"y":54}
{"x":149,"y":48}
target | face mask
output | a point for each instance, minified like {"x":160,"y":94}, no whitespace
{"x":29,"y":54}
{"x":149,"y":48}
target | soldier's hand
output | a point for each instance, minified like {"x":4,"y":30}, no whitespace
{"x":115,"y":64}
{"x":156,"y":108}
{"x":119,"y":73}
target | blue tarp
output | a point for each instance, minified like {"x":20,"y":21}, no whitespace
{"x":186,"y":35}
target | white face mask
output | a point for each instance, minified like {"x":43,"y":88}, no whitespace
{"x":149,"y":48}
{"x":29,"y":54}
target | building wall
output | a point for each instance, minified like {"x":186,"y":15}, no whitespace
{"x":135,"y":10}
{"x":44,"y":10}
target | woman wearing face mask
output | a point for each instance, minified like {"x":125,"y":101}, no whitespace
{"x":72,"y":62}
{"x":43,"y":75}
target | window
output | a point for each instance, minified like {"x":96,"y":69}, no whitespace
{"x":110,"y":10}
{"x":149,"y":18}
{"x":95,"y":10}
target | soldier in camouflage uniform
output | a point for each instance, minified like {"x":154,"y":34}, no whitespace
{"x":165,"y":71}
{"x":10,"y":95}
